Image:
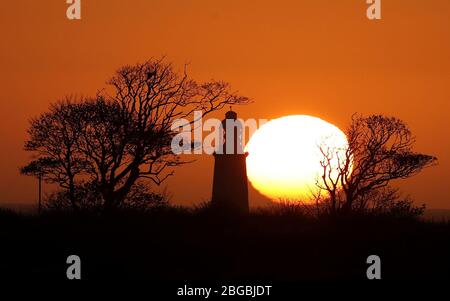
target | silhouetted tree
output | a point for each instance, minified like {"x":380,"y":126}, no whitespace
{"x":52,"y":137}
{"x":128,"y":133}
{"x":39,"y":168}
{"x":379,"y":151}
{"x":125,"y":133}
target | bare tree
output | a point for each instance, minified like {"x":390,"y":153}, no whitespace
{"x":379,"y":151}
{"x":129,"y":135}
{"x":52,"y":137}
{"x":38,"y":169}
{"x":124,"y":134}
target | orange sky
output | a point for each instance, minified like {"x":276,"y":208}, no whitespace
{"x":317,"y":57}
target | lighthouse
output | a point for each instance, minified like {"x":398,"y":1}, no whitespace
{"x":230,"y":186}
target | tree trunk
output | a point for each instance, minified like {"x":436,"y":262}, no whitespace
{"x":40,"y":194}
{"x":113,"y":196}
{"x":72,"y":197}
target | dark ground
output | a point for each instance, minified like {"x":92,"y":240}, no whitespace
{"x":179,"y":245}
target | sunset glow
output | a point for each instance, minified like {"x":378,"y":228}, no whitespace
{"x":284,"y":156}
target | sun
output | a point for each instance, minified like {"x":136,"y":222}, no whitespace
{"x":284,"y":158}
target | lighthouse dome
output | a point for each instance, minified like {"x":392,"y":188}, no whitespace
{"x":230,"y":115}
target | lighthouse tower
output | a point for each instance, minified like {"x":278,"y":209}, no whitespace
{"x":230,"y":188}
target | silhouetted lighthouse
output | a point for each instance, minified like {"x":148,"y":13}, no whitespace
{"x":230,"y":190}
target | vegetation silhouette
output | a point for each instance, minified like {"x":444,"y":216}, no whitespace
{"x":282,"y":243}
{"x":122,"y":135}
{"x":379,"y":151}
{"x":104,"y":151}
